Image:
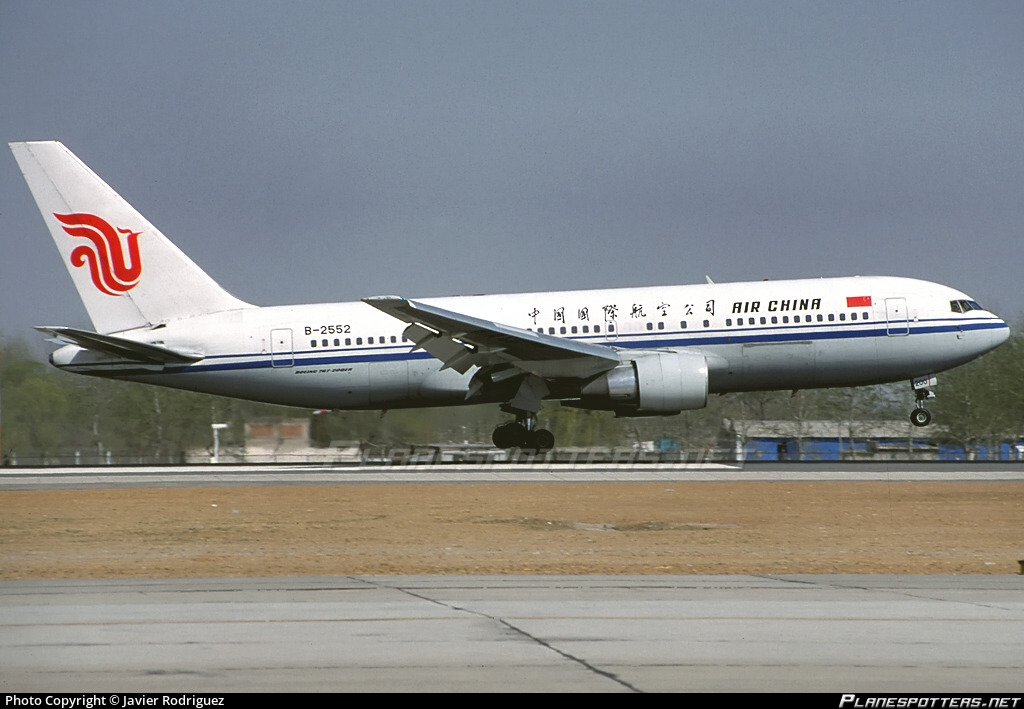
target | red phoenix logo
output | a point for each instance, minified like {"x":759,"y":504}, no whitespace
{"x":113,"y":271}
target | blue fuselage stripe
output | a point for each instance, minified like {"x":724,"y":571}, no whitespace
{"x":740,"y":335}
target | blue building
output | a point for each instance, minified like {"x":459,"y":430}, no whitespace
{"x":851,"y":440}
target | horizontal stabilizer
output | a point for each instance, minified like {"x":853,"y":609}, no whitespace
{"x":120,"y":346}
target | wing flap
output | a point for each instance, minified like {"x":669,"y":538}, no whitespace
{"x":462,"y":341}
{"x":455,"y":354}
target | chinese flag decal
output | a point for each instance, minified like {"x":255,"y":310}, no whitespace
{"x":858,"y":301}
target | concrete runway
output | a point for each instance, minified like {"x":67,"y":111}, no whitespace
{"x":920,"y":634}
{"x":26,"y":478}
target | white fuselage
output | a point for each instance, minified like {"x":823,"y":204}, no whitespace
{"x":765,"y":335}
{"x":159,"y":318}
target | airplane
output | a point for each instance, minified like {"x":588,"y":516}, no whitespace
{"x":649,"y":351}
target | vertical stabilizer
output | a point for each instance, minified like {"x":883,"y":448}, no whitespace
{"x":127,"y":273}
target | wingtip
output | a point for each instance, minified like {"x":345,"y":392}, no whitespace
{"x":381,"y":300}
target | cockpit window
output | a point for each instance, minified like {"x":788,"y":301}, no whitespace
{"x":964,"y":306}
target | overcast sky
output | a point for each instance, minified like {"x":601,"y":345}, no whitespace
{"x":327,"y":151}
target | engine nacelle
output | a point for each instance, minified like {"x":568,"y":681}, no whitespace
{"x":651,"y":383}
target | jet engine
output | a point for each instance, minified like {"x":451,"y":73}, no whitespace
{"x":649,"y":384}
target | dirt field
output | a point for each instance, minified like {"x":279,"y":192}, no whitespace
{"x":551,"y":528}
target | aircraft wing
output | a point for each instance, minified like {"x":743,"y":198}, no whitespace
{"x":462,"y":341}
{"x":119,"y":346}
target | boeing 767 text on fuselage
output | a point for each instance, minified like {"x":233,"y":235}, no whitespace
{"x":650,"y":351}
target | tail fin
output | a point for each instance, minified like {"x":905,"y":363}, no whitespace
{"x":127,"y":273}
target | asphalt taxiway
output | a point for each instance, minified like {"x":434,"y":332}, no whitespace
{"x":512,"y":633}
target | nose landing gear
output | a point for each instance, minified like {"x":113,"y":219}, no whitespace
{"x":920,"y":416}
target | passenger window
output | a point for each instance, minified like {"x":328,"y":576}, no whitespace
{"x":337,"y":342}
{"x":611,"y":328}
{"x":650,"y":326}
{"x":820,"y":318}
{"x":764,"y":320}
{"x":312,"y":343}
{"x":728,"y":322}
{"x":864,"y":316}
{"x":597,"y":328}
{"x":842,"y":317}
{"x":325,"y":343}
{"x":775,"y":319}
{"x":348,"y":342}
{"x":853,"y":316}
{"x":586,"y":329}
{"x":661,"y":326}
{"x":707,"y":323}
{"x":785,"y":318}
{"x":359,"y":340}
{"x":750,"y":321}
{"x":573,"y":329}
{"x":561,"y":330}
{"x":831,"y":317}
{"x":551,"y":331}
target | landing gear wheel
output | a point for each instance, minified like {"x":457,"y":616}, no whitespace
{"x":522,"y":434}
{"x":509,"y":435}
{"x":920,"y":417}
{"x":539,"y":441}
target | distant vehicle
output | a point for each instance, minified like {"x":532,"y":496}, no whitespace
{"x":650,"y":351}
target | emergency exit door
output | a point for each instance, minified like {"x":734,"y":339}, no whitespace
{"x":896,"y":317}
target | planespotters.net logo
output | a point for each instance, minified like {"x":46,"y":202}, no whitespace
{"x":115,"y":266}
{"x":972,"y":701}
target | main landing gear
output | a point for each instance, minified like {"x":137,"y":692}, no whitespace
{"x":522,"y":434}
{"x":920,"y":416}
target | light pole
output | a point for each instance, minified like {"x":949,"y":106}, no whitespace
{"x":217,"y":428}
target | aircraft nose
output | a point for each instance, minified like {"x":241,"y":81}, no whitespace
{"x":1000,"y":335}
{"x":994,"y":335}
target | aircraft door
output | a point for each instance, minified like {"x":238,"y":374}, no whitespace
{"x":896,"y":317}
{"x":281,"y":351}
